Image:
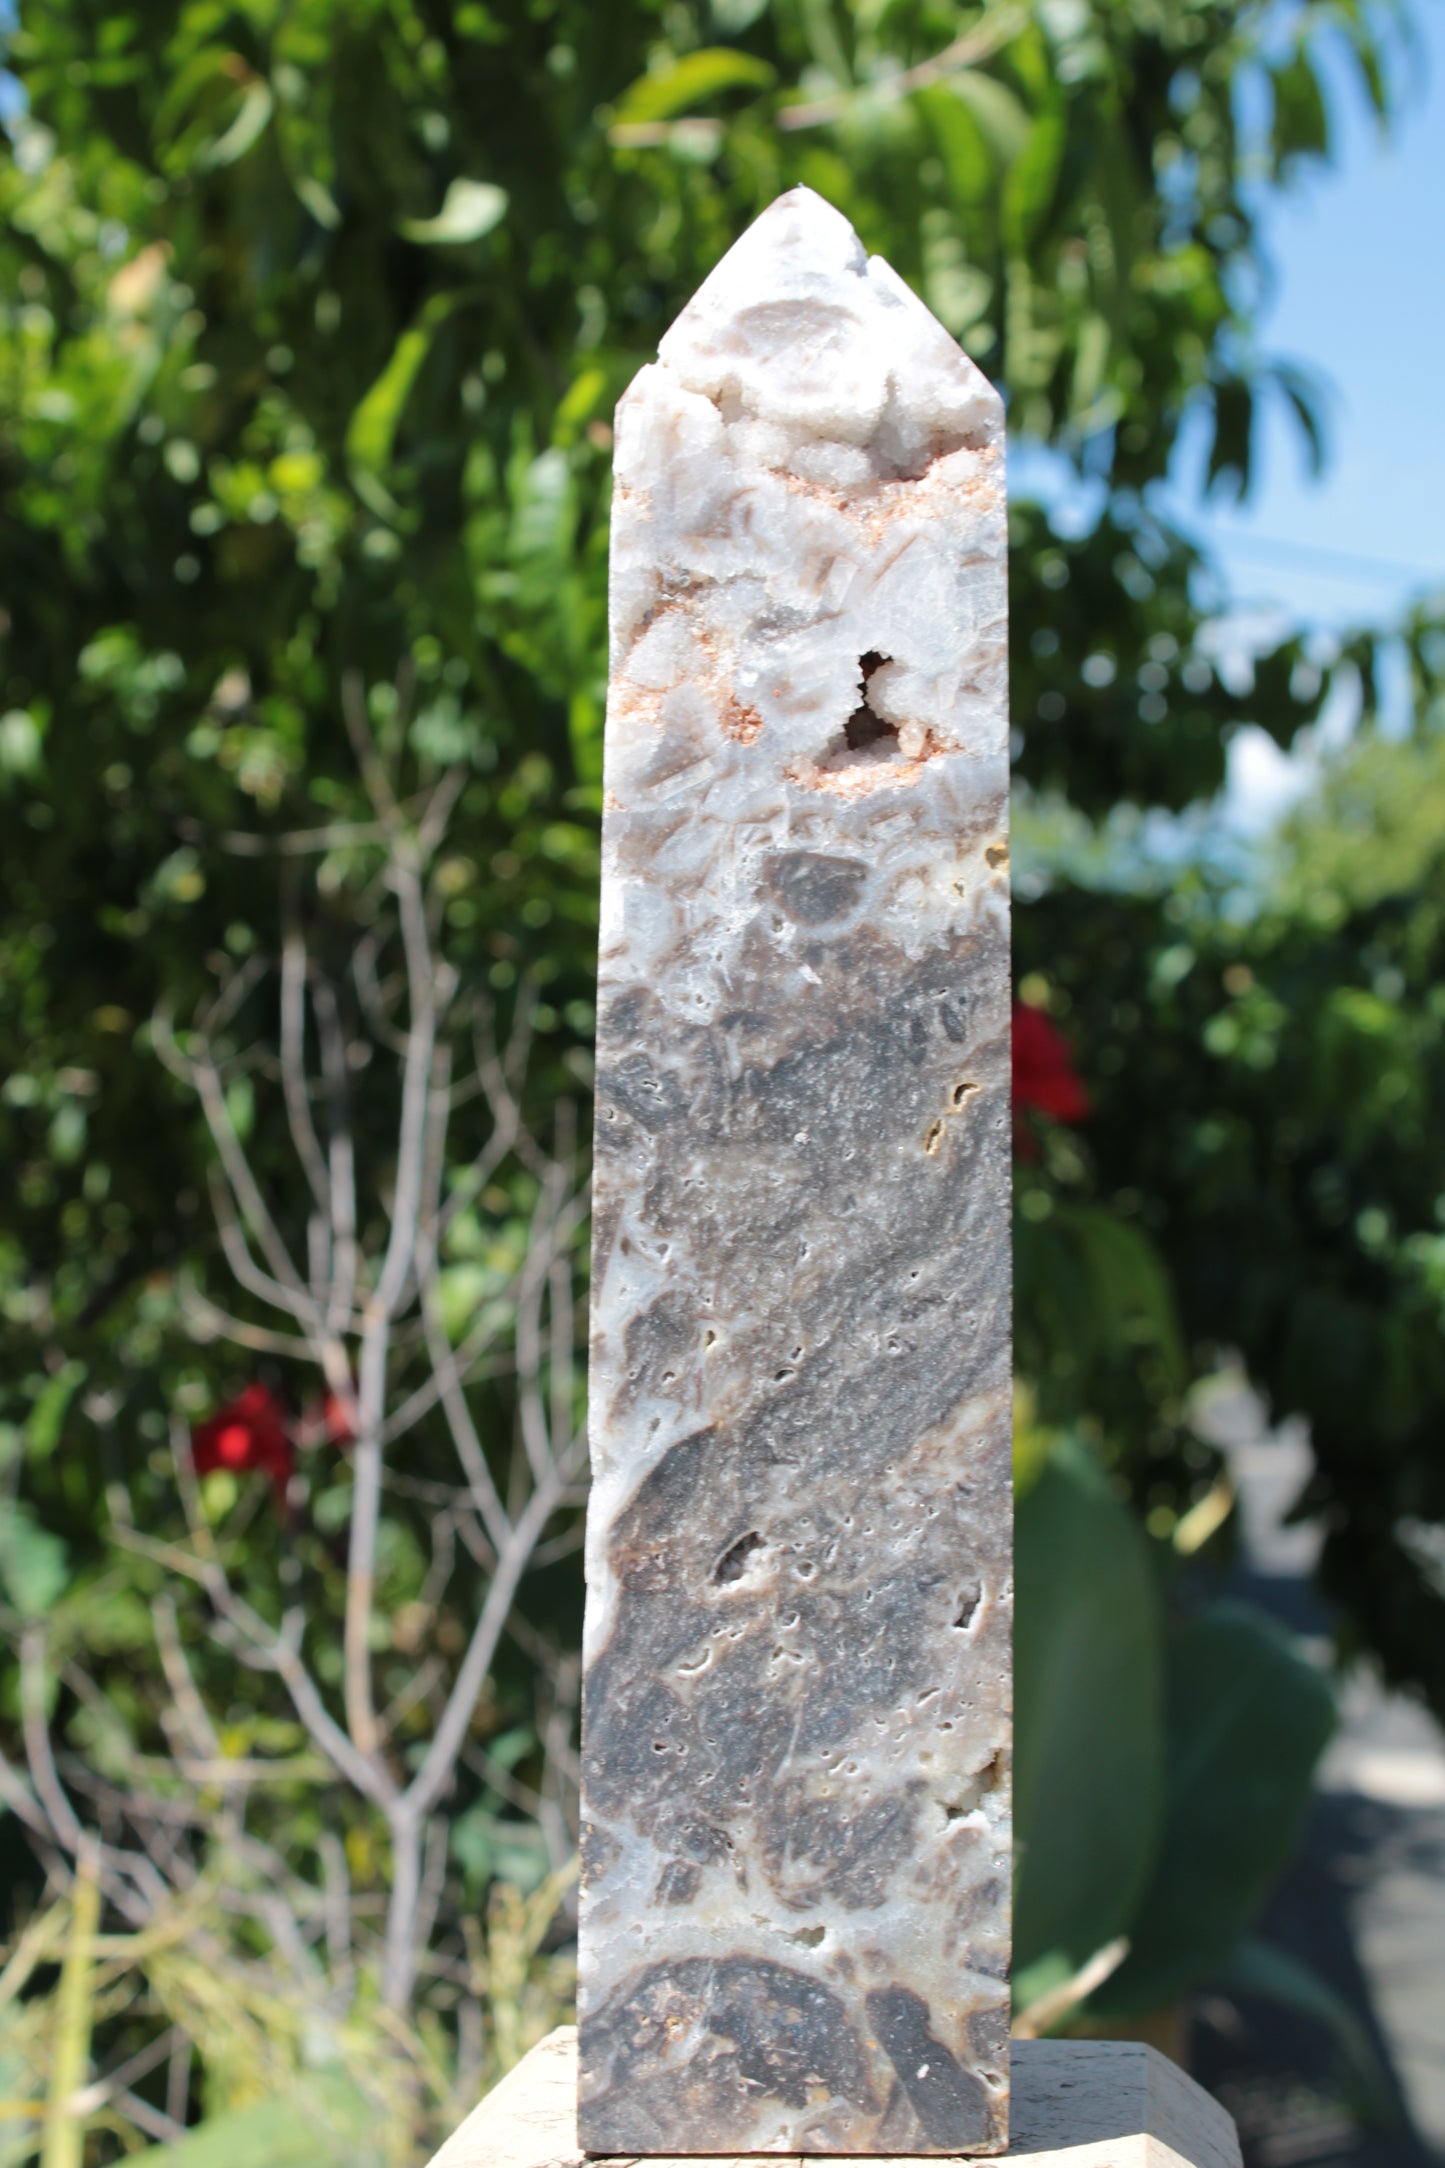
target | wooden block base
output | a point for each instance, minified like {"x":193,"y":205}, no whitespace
{"x":1076,"y":2104}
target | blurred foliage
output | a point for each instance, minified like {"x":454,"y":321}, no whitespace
{"x":1163,"y":1765}
{"x":313,"y":321}
{"x":1286,"y":1187}
{"x":288,"y":2080}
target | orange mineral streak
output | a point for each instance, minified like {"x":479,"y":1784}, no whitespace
{"x":739,"y":723}
{"x":862,"y":779}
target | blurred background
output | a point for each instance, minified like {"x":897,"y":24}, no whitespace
{"x":312,"y":318}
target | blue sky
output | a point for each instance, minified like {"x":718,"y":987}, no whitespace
{"x":1359,"y":297}
{"x":1359,"y":254}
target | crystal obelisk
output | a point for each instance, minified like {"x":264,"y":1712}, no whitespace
{"x":794,"y":1932}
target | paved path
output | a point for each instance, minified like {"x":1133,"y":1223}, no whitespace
{"x":1365,"y":1901}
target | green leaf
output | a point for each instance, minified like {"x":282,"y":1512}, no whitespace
{"x":373,"y":425}
{"x":519,"y":1852}
{"x":1094,"y":1293}
{"x":1306,"y":399}
{"x":1032,"y":178}
{"x":1000,"y":115}
{"x":689,"y":81}
{"x":20,"y":743}
{"x":578,"y":404}
{"x":1090,"y":1741}
{"x":317,"y":199}
{"x":1301,"y":123}
{"x":1247,"y":1721}
{"x":324,"y":2122}
{"x":471,"y":1845}
{"x":34,"y":1565}
{"x":460,"y":1291}
{"x":241,"y":1106}
{"x":961,"y":140}
{"x":1230,"y":452}
{"x":510,"y":1747}
{"x":469,"y":210}
{"x":256,"y":108}
{"x":42,"y":1431}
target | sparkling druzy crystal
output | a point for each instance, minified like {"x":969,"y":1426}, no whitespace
{"x":794,"y":1931}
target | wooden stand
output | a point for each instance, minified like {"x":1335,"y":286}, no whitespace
{"x":1076,"y":2104}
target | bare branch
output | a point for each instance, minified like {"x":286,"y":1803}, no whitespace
{"x":417,"y":1689}
{"x":264,"y":1648}
{"x":363,"y":744}
{"x":190,"y":1708}
{"x":447,"y":1378}
{"x":249,"y":1201}
{"x":293,"y":1067}
{"x":301,"y":842}
{"x":432,"y":1881}
{"x":422,"y":991}
{"x":338,"y":1916}
{"x":374,"y":998}
{"x":559,"y":1793}
{"x":178,"y":2078}
{"x":439,"y":1761}
{"x":341,"y":1168}
{"x":976,"y":44}
{"x":511,"y":1788}
{"x":432,"y":827}
{"x":206,"y":1320}
{"x":149,"y":2119}
{"x":474,"y":1347}
{"x":36,"y":1729}
{"x":232,"y":993}
{"x":262,"y":1285}
{"x":16,"y":1794}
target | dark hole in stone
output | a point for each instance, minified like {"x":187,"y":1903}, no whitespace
{"x":968,"y":1603}
{"x":809,"y":1937}
{"x":863,"y":727}
{"x":734,"y":1562}
{"x":961,"y":1092}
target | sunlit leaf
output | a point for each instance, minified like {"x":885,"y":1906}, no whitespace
{"x":373,"y":425}
{"x":257,"y":106}
{"x":690,"y":81}
{"x":469,"y":210}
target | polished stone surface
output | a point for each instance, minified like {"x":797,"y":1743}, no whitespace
{"x":794,"y":1932}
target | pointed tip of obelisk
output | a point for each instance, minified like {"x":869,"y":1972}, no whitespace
{"x":798,"y":324}
{"x":801,"y":223}
{"x":799,"y":249}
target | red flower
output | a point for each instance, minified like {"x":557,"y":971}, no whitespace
{"x":247,"y":1436}
{"x":1043,"y":1076}
{"x":337,"y":1420}
{"x":328,"y":1421}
